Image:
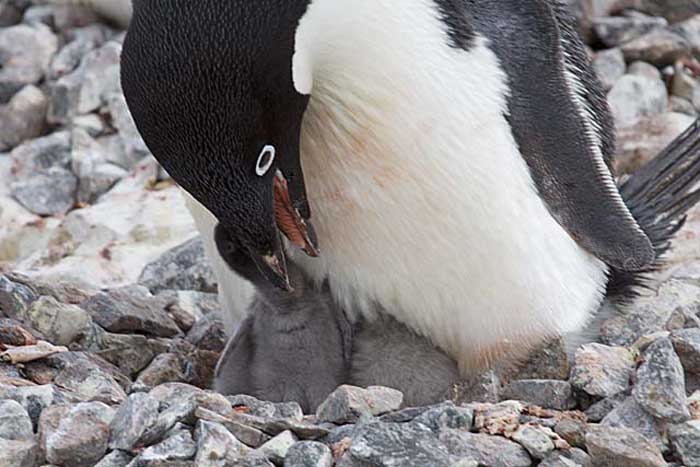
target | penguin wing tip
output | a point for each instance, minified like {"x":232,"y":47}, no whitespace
{"x":636,"y":255}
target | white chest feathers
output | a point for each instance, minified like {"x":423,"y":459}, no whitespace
{"x":420,"y":198}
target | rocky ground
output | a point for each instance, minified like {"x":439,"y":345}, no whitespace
{"x":110,"y":325}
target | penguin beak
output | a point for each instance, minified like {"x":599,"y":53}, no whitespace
{"x":273,"y":265}
{"x":292,"y":223}
{"x":290,"y":220}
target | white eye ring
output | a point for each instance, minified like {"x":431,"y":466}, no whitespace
{"x":265,"y":160}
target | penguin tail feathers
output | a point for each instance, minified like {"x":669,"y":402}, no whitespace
{"x":659,"y":195}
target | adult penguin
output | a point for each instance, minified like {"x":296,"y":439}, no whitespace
{"x":455,"y":153}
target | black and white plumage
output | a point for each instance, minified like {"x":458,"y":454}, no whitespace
{"x":455,"y":155}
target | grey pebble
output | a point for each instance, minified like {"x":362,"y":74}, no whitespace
{"x":182,"y":268}
{"x":446,"y":416}
{"x":393,"y":444}
{"x":616,"y":30}
{"x":23,"y":118}
{"x":81,"y":437}
{"x":309,"y":454}
{"x":634,"y":97}
{"x":535,"y":439}
{"x":60,"y":323}
{"x":621,"y":447}
{"x":132,"y":310}
{"x":132,"y":420}
{"x":602,"y":371}
{"x":686,"y":441}
{"x":549,"y":394}
{"x":48,"y":193}
{"x":115,"y":459}
{"x":609,"y":66}
{"x":347,"y":403}
{"x":630,"y":414}
{"x":686,"y":343}
{"x":275,"y":450}
{"x":178,"y":447}
{"x":15,"y":423}
{"x":26,"y":51}
{"x":216,"y":446}
{"x":660,"y":47}
{"x":660,"y":387}
{"x":19,"y":453}
{"x":488,"y":451}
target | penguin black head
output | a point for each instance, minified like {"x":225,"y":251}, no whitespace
{"x":210,"y":86}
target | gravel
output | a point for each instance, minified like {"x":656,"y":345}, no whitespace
{"x":100,"y":259}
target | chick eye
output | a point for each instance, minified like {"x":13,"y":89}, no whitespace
{"x":265,"y":160}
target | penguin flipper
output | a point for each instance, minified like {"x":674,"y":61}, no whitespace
{"x":562,"y":126}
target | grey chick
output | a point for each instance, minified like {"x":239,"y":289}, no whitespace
{"x":292,"y":346}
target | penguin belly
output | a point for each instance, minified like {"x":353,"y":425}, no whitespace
{"x":421,"y":200}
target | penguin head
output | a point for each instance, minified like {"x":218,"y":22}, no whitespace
{"x":210,"y":87}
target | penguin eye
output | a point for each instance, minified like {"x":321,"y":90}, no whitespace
{"x":265,"y":160}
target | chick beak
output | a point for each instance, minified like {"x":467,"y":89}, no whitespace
{"x":273,"y":266}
